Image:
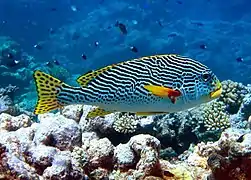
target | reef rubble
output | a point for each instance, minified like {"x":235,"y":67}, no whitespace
{"x":67,"y":145}
{"x":211,"y":141}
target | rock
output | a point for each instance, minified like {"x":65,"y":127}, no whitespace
{"x":73,"y":112}
{"x":57,"y":131}
{"x":240,"y":119}
{"x":19,"y":168}
{"x":147,"y":148}
{"x":100,"y":153}
{"x":199,"y":156}
{"x":87,"y":137}
{"x":124,"y":156}
{"x":62,"y":168}
{"x":41,"y":157}
{"x":12,"y":155}
{"x":146,"y":122}
{"x":227,"y":158}
{"x":99,"y":173}
{"x":11,"y":123}
{"x":139,"y":142}
{"x":149,"y":161}
{"x":101,"y":124}
{"x":79,"y":158}
{"x":17,"y":142}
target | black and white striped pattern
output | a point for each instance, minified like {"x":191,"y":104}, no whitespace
{"x":124,"y":82}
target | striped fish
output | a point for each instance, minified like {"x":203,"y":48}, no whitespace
{"x":146,"y":86}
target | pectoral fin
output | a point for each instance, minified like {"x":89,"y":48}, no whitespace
{"x":149,"y":113}
{"x":162,"y":91}
{"x":98,"y":112}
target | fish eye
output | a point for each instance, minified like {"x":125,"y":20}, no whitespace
{"x":206,"y":76}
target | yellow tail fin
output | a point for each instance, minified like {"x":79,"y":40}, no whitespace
{"x":47,"y":90}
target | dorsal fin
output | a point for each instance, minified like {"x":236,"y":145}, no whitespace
{"x":155,"y":57}
{"x":89,"y":76}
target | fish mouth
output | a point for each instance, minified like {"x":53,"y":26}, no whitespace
{"x":217,"y":92}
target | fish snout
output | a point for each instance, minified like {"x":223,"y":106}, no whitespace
{"x":217,"y":90}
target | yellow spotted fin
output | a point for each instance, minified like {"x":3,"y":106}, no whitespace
{"x":149,"y":113}
{"x":98,"y":112}
{"x":47,"y":89}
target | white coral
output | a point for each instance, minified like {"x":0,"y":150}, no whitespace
{"x":12,"y":123}
{"x":125,"y":123}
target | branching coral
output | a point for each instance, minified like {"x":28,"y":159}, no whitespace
{"x":232,"y":95}
{"x":4,"y":103}
{"x":125,"y":123}
{"x":79,"y":157}
{"x":215,"y":117}
{"x":9,"y":90}
{"x":6,"y":100}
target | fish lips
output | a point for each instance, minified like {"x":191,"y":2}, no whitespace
{"x":216,"y":93}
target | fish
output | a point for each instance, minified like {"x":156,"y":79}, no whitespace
{"x":159,"y":23}
{"x":203,"y":46}
{"x":38,"y":46}
{"x":134,"y":49}
{"x":96,"y":43}
{"x":84,"y":57}
{"x":74,"y":8}
{"x":172,"y":35}
{"x":149,"y":85}
{"x":179,"y":2}
{"x":239,"y":59}
{"x":53,"y":9}
{"x":121,"y":27}
{"x":10,"y":56}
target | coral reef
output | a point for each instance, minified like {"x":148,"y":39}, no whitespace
{"x":10,"y":51}
{"x":73,"y":112}
{"x":11,"y":123}
{"x":33,"y":152}
{"x":215,"y":116}
{"x":15,"y":65}
{"x":125,"y":123}
{"x":227,"y":158}
{"x":239,"y":120}
{"x":60,"y":147}
{"x":97,"y":124}
{"x":7,"y":100}
{"x":67,"y":145}
{"x":232,"y":95}
{"x":58,"y":131}
{"x":177,"y":131}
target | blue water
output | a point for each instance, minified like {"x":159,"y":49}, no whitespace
{"x":223,"y":26}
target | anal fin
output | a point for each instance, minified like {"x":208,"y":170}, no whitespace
{"x":98,"y":112}
{"x":149,"y":113}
